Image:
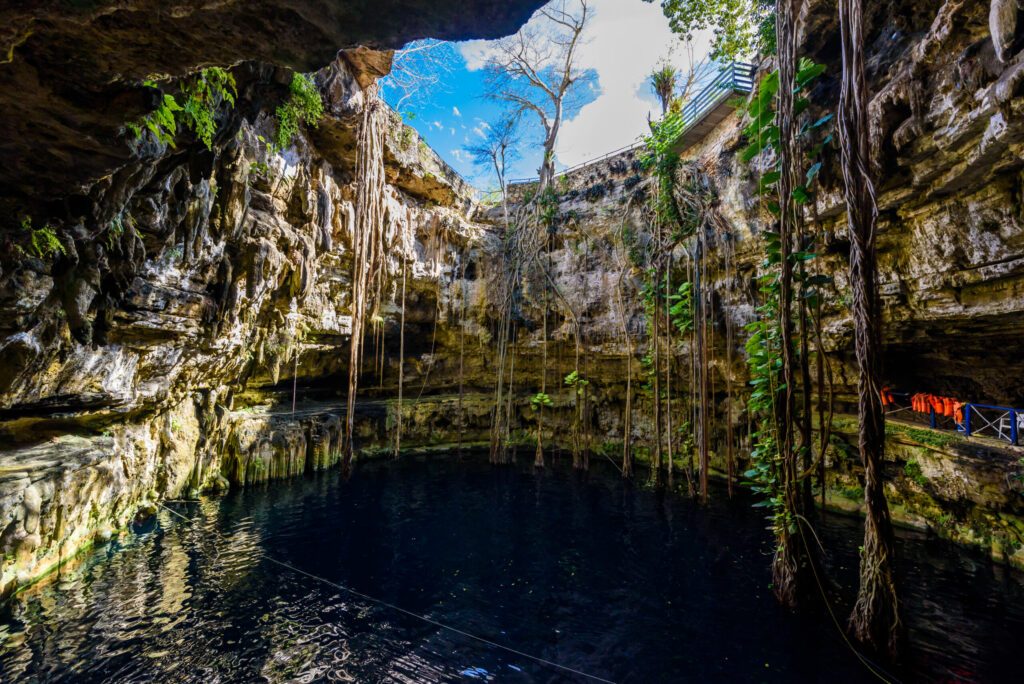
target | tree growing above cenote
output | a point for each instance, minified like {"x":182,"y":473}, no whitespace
{"x":536,"y":70}
{"x":741,"y":27}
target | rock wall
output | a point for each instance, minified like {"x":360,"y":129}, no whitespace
{"x":948,"y":144}
{"x":203,"y":290}
{"x":134,"y":366}
{"x":71,"y":73}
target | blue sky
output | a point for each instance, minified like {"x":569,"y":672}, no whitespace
{"x":624,"y":41}
{"x":454,"y":114}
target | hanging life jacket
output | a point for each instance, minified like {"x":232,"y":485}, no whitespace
{"x":949,"y":409}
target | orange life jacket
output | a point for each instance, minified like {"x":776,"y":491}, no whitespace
{"x":950,"y":407}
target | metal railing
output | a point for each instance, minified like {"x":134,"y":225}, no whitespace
{"x":595,"y":160}
{"x":1003,"y":423}
{"x":734,"y":78}
{"x":737,"y":77}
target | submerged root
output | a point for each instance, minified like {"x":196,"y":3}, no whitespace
{"x":875,"y":620}
{"x":788,"y":568}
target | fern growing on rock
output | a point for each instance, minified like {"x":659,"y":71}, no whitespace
{"x":201,"y":96}
{"x":302,"y":107}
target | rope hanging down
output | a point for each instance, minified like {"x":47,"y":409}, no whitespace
{"x":423,"y":618}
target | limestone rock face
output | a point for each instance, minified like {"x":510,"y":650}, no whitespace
{"x":1003,"y":20}
{"x":70,"y":72}
{"x":204,"y":290}
{"x":227,"y":281}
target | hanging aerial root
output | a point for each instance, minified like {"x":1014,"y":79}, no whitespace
{"x":367,"y":245}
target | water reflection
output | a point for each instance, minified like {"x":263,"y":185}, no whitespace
{"x":583,"y":570}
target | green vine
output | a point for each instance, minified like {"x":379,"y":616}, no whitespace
{"x":540,"y":400}
{"x":764,"y":359}
{"x":662,"y":160}
{"x":681,"y":308}
{"x":577,"y":382}
{"x":201,"y":96}
{"x":764,"y":346}
{"x":303,"y":106}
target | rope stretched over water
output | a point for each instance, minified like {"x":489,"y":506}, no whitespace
{"x":441,"y":625}
{"x":872,"y":667}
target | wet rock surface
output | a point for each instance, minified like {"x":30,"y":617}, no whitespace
{"x":71,"y":72}
{"x":161,"y":360}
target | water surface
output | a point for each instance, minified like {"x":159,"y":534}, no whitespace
{"x":604,"y":577}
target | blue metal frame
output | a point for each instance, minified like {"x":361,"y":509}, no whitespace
{"x":1011,"y":412}
{"x":969,"y":425}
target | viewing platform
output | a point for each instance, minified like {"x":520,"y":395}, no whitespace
{"x":712,"y":105}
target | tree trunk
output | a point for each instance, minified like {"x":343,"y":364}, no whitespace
{"x":789,"y":554}
{"x":875,"y":620}
{"x":668,"y":371}
{"x":546,"y":173}
{"x":656,"y":348}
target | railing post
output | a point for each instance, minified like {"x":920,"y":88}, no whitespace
{"x":1013,"y":427}
{"x":967,"y":420}
{"x":931,"y":419}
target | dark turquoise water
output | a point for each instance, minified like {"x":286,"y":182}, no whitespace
{"x":601,"y":576}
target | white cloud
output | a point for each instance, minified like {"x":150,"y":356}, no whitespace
{"x":452,"y":131}
{"x":624,"y":43}
{"x":479,"y":130}
{"x":456,"y":112}
{"x":628,"y":40}
{"x":438,"y":125}
{"x":476,"y":53}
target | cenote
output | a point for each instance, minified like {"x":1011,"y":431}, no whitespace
{"x":511,"y":340}
{"x":607,"y":577}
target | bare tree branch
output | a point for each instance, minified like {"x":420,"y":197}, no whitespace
{"x":536,"y":71}
{"x":418,"y":69}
